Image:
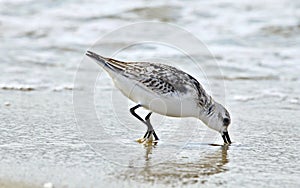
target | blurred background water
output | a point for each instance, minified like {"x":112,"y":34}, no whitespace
{"x":255,"y":43}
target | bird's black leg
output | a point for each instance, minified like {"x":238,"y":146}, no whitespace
{"x":132,"y":111}
{"x":150,"y":130}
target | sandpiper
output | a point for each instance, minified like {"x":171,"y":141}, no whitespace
{"x":165,"y":90}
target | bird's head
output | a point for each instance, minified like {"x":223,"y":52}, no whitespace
{"x":219,"y":119}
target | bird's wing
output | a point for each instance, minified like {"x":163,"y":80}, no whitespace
{"x":162,"y":79}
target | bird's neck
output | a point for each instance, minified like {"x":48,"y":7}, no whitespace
{"x":208,"y":112}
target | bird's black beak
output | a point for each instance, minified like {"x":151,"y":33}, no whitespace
{"x":226,"y":138}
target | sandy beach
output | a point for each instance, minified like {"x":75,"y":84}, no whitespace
{"x":252,"y":67}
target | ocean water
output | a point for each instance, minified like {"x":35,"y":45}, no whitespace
{"x":50,"y":132}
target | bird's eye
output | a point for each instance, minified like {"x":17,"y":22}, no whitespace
{"x":226,"y":121}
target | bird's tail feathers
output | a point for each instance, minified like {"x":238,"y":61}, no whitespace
{"x":107,"y":63}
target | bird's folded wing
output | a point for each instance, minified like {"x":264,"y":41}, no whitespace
{"x":161,"y":79}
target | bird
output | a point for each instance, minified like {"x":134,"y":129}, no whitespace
{"x":179,"y":94}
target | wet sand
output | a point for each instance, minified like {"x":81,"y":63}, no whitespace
{"x":13,"y":184}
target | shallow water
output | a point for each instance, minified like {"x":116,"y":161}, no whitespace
{"x":42,"y":43}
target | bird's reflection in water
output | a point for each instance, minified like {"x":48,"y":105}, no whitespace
{"x":188,"y":167}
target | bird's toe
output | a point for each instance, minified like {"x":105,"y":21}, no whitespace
{"x":140,"y":140}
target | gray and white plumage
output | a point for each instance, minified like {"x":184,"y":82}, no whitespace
{"x":165,"y":90}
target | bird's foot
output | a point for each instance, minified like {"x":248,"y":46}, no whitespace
{"x":145,"y":140}
{"x":148,"y":138}
{"x":140,"y":140}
